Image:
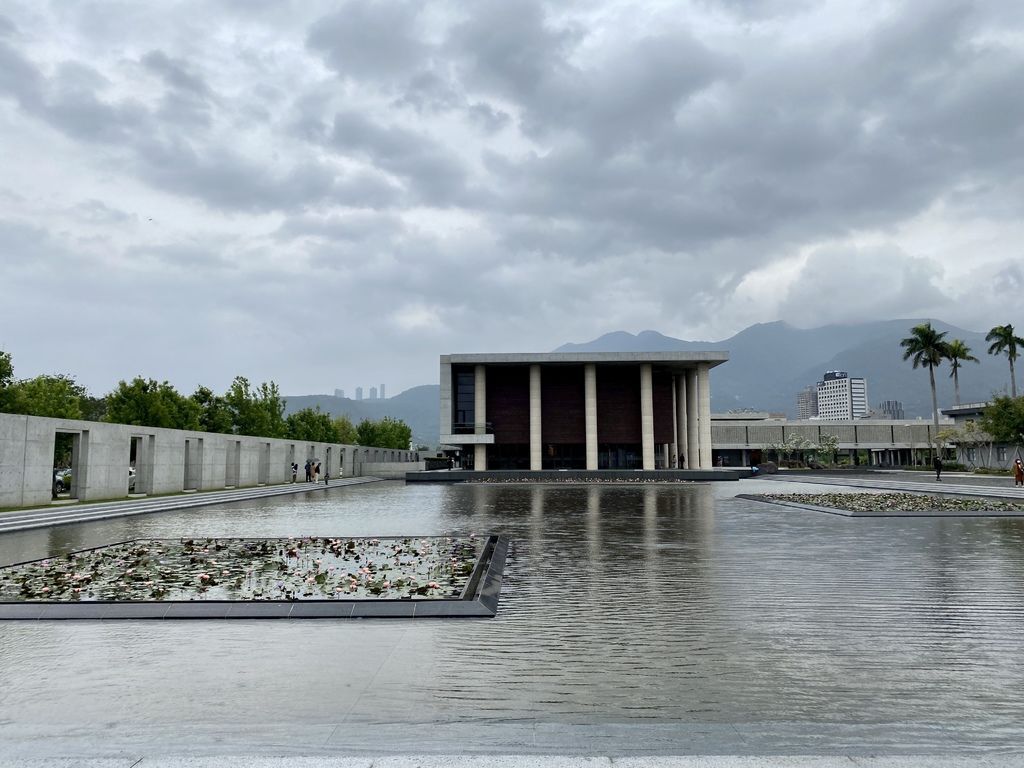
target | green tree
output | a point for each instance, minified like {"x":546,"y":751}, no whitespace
{"x":311,"y":424}
{"x":926,"y":348}
{"x":366,"y":433}
{"x":148,"y":403}
{"x":214,"y":414}
{"x":6,"y":369}
{"x":1003,"y":419}
{"x":827,"y":447}
{"x":1004,"y":341}
{"x":94,"y":408}
{"x":386,"y":433}
{"x":255,"y":411}
{"x":6,"y":379}
{"x":55,"y":396}
{"x":346,"y":431}
{"x":957,"y":352}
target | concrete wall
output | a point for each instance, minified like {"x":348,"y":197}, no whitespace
{"x":102,"y":456}
{"x":395,"y":470}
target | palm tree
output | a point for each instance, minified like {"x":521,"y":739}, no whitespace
{"x":1003,"y":340}
{"x":957,"y":352}
{"x":926,"y":348}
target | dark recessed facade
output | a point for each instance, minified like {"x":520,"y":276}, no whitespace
{"x":629,"y":410}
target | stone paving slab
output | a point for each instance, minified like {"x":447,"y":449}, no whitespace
{"x":528,"y":761}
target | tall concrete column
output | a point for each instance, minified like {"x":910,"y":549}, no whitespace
{"x":480,"y":416}
{"x":536,"y":440}
{"x":704,"y":415}
{"x":647,"y":415}
{"x":682,"y":442}
{"x":692,"y":433}
{"x":590,"y":412}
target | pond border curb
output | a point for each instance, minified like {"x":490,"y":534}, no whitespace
{"x":480,"y":600}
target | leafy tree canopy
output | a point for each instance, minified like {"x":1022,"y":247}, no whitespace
{"x":1004,"y":419}
{"x":256,"y":411}
{"x":148,"y":403}
{"x":54,"y":396}
{"x":214,"y":414}
{"x":386,"y":433}
{"x":311,"y":424}
{"x":346,"y":431}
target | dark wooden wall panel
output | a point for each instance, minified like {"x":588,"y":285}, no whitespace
{"x":508,"y":403}
{"x":562,"y":417}
{"x":662,"y":386}
{"x":618,"y":404}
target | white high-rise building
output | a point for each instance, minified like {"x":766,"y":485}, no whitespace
{"x":339,"y":393}
{"x":359,"y":393}
{"x":382,"y":395}
{"x":373,"y":393}
{"x":841,"y":396}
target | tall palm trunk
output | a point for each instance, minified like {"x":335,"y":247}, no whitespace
{"x":935,"y":406}
{"x":1013,"y":380}
{"x":956,"y":385}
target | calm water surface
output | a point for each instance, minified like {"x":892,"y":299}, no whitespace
{"x":656,"y":618}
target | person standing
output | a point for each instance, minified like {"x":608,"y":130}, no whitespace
{"x":295,"y":471}
{"x":309,"y":470}
{"x":937,"y":463}
{"x":316,"y":473}
{"x":1018,"y":472}
{"x":327,"y":478}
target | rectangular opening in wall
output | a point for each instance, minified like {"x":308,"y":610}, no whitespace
{"x":293,"y":468}
{"x":327,"y":463}
{"x":65,"y":470}
{"x":232,"y":464}
{"x":264,"y":474}
{"x":193,"y":464}
{"x":134,"y":456}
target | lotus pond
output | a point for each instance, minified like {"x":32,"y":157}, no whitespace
{"x":308,"y":568}
{"x":895,"y":502}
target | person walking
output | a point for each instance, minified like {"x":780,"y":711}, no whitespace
{"x":309,"y":470}
{"x":1018,"y":472}
{"x":316,"y":473}
{"x":295,"y":471}
{"x":937,"y":463}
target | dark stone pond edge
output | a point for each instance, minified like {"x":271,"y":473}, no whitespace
{"x":620,"y":476}
{"x":880,"y":513}
{"x":480,"y":601}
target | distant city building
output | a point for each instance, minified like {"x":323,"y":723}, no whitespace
{"x":807,"y":403}
{"x":382,"y":395}
{"x":339,"y":393}
{"x":359,"y":393}
{"x":373,"y":393}
{"x":891,"y":409}
{"x":841,"y":396}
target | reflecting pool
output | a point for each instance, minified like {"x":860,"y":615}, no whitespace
{"x":656,"y":618}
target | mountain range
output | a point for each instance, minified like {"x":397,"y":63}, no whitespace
{"x":768,"y":364}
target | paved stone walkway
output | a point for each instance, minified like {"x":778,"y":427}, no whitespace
{"x":956,"y":485}
{"x":20,"y":520}
{"x":528,"y":761}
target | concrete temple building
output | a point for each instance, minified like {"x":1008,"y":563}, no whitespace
{"x":591,"y":411}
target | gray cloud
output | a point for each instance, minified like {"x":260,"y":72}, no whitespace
{"x":474,"y":176}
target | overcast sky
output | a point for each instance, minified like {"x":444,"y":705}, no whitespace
{"x":334,"y":194}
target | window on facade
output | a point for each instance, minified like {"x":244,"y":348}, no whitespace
{"x":465,"y":399}
{"x":970,"y":454}
{"x":1001,"y":453}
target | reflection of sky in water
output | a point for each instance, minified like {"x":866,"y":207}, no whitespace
{"x":647,"y":605}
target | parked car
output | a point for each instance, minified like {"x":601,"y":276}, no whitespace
{"x":61,"y":480}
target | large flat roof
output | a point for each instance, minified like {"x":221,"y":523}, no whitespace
{"x":665,"y":359}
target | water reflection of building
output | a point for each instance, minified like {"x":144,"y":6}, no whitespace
{"x":604,"y":410}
